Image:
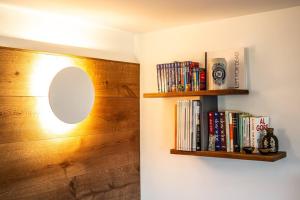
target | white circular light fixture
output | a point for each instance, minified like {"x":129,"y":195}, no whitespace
{"x":71,"y":95}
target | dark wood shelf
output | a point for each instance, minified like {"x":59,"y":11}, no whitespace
{"x":197,"y":93}
{"x":234,"y":155}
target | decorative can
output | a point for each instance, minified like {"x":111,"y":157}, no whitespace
{"x":270,"y":141}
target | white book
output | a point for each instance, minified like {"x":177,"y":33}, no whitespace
{"x":257,"y":127}
{"x":227,"y":69}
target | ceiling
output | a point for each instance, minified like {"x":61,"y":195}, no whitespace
{"x":151,"y":15}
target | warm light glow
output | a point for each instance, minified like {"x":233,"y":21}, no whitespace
{"x":45,"y":68}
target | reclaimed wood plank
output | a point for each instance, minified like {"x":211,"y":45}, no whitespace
{"x":23,"y":120}
{"x":27,"y":73}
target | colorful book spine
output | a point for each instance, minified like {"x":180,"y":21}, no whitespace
{"x":180,"y":76}
{"x":227,"y":131}
{"x":202,"y":79}
{"x":223,"y":131}
{"x":231,"y":130}
{"x":217,"y":131}
{"x":236,"y":146}
{"x":211,"y":132}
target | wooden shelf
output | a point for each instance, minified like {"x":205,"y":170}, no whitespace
{"x":197,"y":93}
{"x":242,"y":156}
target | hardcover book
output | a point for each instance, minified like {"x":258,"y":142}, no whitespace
{"x":217,"y":131}
{"x":211,"y":133}
{"x":227,"y":69}
{"x":223,"y":131}
{"x":258,"y":125}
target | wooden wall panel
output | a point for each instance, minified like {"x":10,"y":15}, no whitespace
{"x":97,"y":159}
{"x":20,"y":67}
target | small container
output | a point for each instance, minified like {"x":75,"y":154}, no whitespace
{"x":248,"y":150}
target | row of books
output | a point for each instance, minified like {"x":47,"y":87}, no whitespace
{"x":231,"y":131}
{"x":188,"y":131}
{"x":180,"y":76}
{"x":199,"y":130}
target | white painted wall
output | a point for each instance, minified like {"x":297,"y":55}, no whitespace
{"x":31,"y":29}
{"x":273,"y":39}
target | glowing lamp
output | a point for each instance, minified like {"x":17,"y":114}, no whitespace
{"x":71,"y":95}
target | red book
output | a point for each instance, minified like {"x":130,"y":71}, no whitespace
{"x":231,"y":132}
{"x":211,"y":132}
{"x":202,"y":79}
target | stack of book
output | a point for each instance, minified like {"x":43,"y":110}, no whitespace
{"x":188,"y":125}
{"x":180,"y":77}
{"x":231,"y":131}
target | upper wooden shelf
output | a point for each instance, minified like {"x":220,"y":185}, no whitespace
{"x":197,"y":93}
{"x":233,"y":155}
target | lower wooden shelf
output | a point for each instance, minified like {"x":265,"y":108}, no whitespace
{"x":233,"y":155}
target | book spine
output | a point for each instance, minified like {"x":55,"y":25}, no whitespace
{"x":211,"y":132}
{"x":231,"y":131}
{"x":168,"y":77}
{"x":158,"y":77}
{"x":236,"y":147}
{"x":174,"y":77}
{"x":176,"y":126}
{"x":252,"y":131}
{"x":178,"y":77}
{"x":197,"y":79}
{"x":198,"y":128}
{"x":240,"y":127}
{"x":227,"y":132}
{"x":189,"y":126}
{"x":217,"y":131}
{"x":179,"y":124}
{"x":222,"y":130}
{"x":163,"y":78}
{"x":202,"y":79}
{"x":182,"y":76}
{"x":246,"y":132}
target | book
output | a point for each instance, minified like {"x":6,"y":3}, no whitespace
{"x":188,"y":131}
{"x":217,"y":131}
{"x":158,"y":77}
{"x":227,"y":132}
{"x":196,"y":125}
{"x":180,"y":76}
{"x":222,"y":131}
{"x":246,"y":132}
{"x":236,"y":142}
{"x":231,"y":131}
{"x":227,"y":69}
{"x":258,"y":125}
{"x":211,"y":133}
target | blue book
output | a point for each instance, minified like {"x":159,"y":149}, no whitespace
{"x":218,"y":144}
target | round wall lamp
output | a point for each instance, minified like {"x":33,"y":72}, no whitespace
{"x":71,"y":95}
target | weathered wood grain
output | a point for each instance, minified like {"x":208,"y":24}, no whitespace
{"x":19,"y":70}
{"x":21,"y":119}
{"x":97,"y":159}
{"x":69,"y":157}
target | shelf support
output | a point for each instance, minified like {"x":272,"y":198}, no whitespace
{"x":208,"y":104}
